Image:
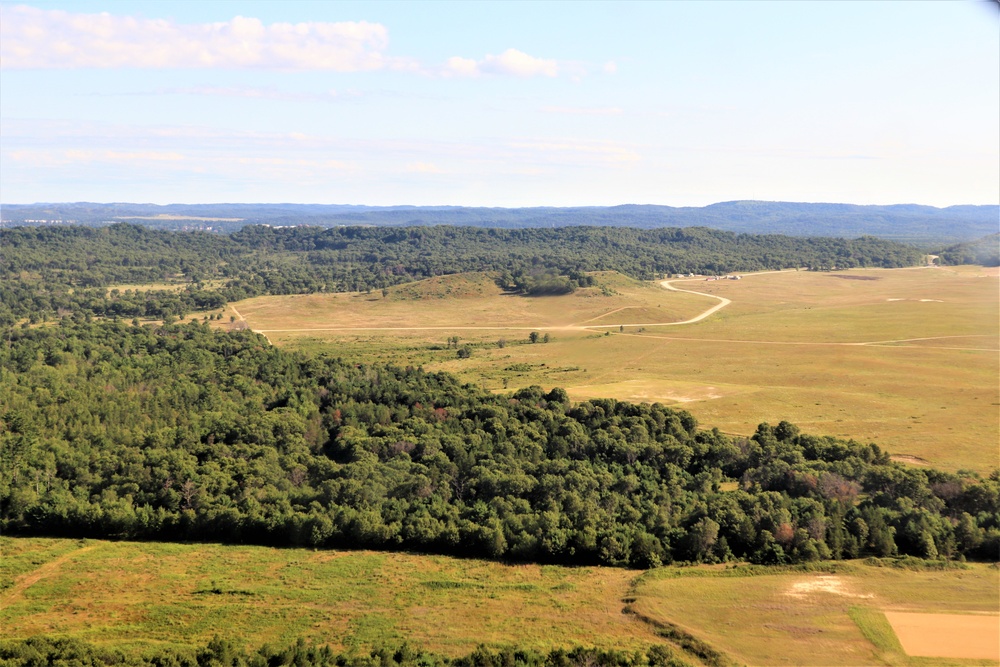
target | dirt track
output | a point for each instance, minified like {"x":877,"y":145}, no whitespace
{"x":33,"y":577}
{"x":582,"y":326}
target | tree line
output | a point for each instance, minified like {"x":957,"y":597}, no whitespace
{"x":220,"y":652}
{"x":49,"y":271}
{"x":181,"y":432}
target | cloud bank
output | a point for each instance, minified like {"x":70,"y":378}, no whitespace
{"x":33,"y":38}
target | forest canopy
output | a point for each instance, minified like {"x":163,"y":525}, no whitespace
{"x":182,"y":432}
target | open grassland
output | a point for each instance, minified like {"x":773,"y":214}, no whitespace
{"x":905,"y":358}
{"x":818,"y":618}
{"x":470,"y":301}
{"x":137,"y":595}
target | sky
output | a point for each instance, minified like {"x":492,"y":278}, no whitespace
{"x":500,"y":104}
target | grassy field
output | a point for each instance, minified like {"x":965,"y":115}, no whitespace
{"x":472,"y":302}
{"x":135,"y":595}
{"x":814,"y":618}
{"x":140,"y":595}
{"x":905,"y":358}
{"x":176,"y":286}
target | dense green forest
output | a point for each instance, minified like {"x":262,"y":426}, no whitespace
{"x":181,"y":432}
{"x":50,"y":271}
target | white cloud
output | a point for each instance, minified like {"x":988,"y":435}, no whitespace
{"x":33,"y":38}
{"x":511,"y":62}
{"x":519,"y":63}
{"x":457,"y":66}
{"x":610,"y":67}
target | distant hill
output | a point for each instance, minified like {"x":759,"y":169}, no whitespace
{"x":923,"y":225}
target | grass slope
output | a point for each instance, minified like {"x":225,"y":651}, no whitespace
{"x":139,"y":595}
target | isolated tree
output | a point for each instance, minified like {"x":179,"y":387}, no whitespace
{"x":533,"y":337}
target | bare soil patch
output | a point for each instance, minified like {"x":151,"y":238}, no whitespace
{"x":824,"y":584}
{"x":975,"y":637}
{"x":912,"y":460}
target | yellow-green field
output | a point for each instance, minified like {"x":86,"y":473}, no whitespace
{"x":175,"y":286}
{"x":905,"y":358}
{"x":141,"y":595}
{"x":814,"y":618}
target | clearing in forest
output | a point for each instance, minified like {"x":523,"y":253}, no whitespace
{"x":905,"y":358}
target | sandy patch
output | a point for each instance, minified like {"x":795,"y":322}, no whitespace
{"x":974,"y":637}
{"x":920,"y":300}
{"x":649,"y":391}
{"x":912,"y":460}
{"x":823,"y":584}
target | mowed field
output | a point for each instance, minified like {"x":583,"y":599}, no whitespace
{"x":833,"y":618}
{"x":904,"y":358}
{"x":136,"y":596}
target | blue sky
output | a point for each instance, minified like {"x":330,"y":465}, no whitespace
{"x":500,"y":104}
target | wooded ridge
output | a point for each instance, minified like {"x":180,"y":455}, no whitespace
{"x":69,"y":269}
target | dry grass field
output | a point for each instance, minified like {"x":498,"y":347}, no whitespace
{"x":823,"y":619}
{"x":470,"y":302}
{"x":136,"y":596}
{"x":905,"y":358}
{"x":176,"y":286}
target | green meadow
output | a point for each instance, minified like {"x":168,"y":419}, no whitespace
{"x":142,"y":595}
